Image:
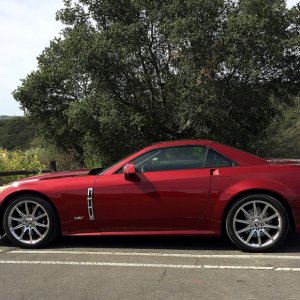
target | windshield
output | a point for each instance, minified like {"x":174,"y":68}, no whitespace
{"x":110,"y":167}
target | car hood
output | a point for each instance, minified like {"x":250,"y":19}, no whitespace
{"x":57,"y":175}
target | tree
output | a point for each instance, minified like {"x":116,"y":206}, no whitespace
{"x":284,"y":135}
{"x":130,"y":72}
{"x":16,"y":133}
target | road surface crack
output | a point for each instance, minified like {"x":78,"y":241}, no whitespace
{"x":163,"y":275}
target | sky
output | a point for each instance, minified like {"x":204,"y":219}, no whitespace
{"x":26,"y":28}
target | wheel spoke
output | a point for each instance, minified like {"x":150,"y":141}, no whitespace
{"x":259,"y":238}
{"x":17,"y":227}
{"x":30,"y":235}
{"x":15,"y":219}
{"x":264,"y":211}
{"x":242,"y":221}
{"x":20,"y":213}
{"x":42,"y":225}
{"x":26,"y":208}
{"x":23,"y":232}
{"x":41,"y":216}
{"x":34,"y":210}
{"x":272,"y":226}
{"x":250,"y":235}
{"x":244,"y":229}
{"x":267,"y":234}
{"x":246,"y":213}
{"x":37,"y":231}
{"x":254,"y":209}
{"x":270,"y":218}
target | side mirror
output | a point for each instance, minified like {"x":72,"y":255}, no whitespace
{"x":129,"y":171}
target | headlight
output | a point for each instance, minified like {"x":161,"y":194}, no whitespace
{"x":4,"y":187}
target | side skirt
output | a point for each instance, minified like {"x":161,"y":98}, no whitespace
{"x":149,"y":233}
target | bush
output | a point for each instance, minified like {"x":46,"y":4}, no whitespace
{"x":17,"y":161}
{"x":64,"y":160}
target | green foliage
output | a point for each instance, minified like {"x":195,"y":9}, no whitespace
{"x":130,"y":72}
{"x":64,"y":160}
{"x":284,"y":141}
{"x":17,"y":161}
{"x":16,"y":133}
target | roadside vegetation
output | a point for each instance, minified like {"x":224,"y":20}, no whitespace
{"x":17,"y":161}
{"x":125,"y":74}
{"x":284,"y":134}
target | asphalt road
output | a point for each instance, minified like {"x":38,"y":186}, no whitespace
{"x":149,"y":268}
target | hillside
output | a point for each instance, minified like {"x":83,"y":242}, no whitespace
{"x":5,"y":117}
{"x":16,"y":133}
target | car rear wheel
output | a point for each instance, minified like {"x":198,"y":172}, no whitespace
{"x":257,"y":223}
{"x":30,"y":222}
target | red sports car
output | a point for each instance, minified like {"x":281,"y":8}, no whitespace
{"x":192,"y":187}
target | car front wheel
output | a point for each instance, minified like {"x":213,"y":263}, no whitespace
{"x":30,"y":222}
{"x":257,"y":223}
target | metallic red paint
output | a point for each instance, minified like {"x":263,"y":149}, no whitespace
{"x":156,"y":201}
{"x":191,"y":202}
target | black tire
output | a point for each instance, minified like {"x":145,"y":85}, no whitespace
{"x":30,"y":221}
{"x":257,"y":223}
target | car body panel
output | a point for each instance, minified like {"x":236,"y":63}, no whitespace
{"x":276,"y":180}
{"x":155,"y":201}
{"x":67,"y":194}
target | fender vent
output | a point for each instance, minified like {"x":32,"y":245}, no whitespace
{"x":90,"y":203}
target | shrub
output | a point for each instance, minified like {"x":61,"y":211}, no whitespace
{"x":64,"y":160}
{"x":17,"y":161}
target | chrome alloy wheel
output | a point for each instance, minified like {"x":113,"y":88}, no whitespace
{"x":28,"y":222}
{"x":257,"y":224}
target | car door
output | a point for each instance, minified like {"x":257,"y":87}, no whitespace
{"x":169,"y":192}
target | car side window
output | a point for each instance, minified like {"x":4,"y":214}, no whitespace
{"x":173,"y":158}
{"x":216,"y":160}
